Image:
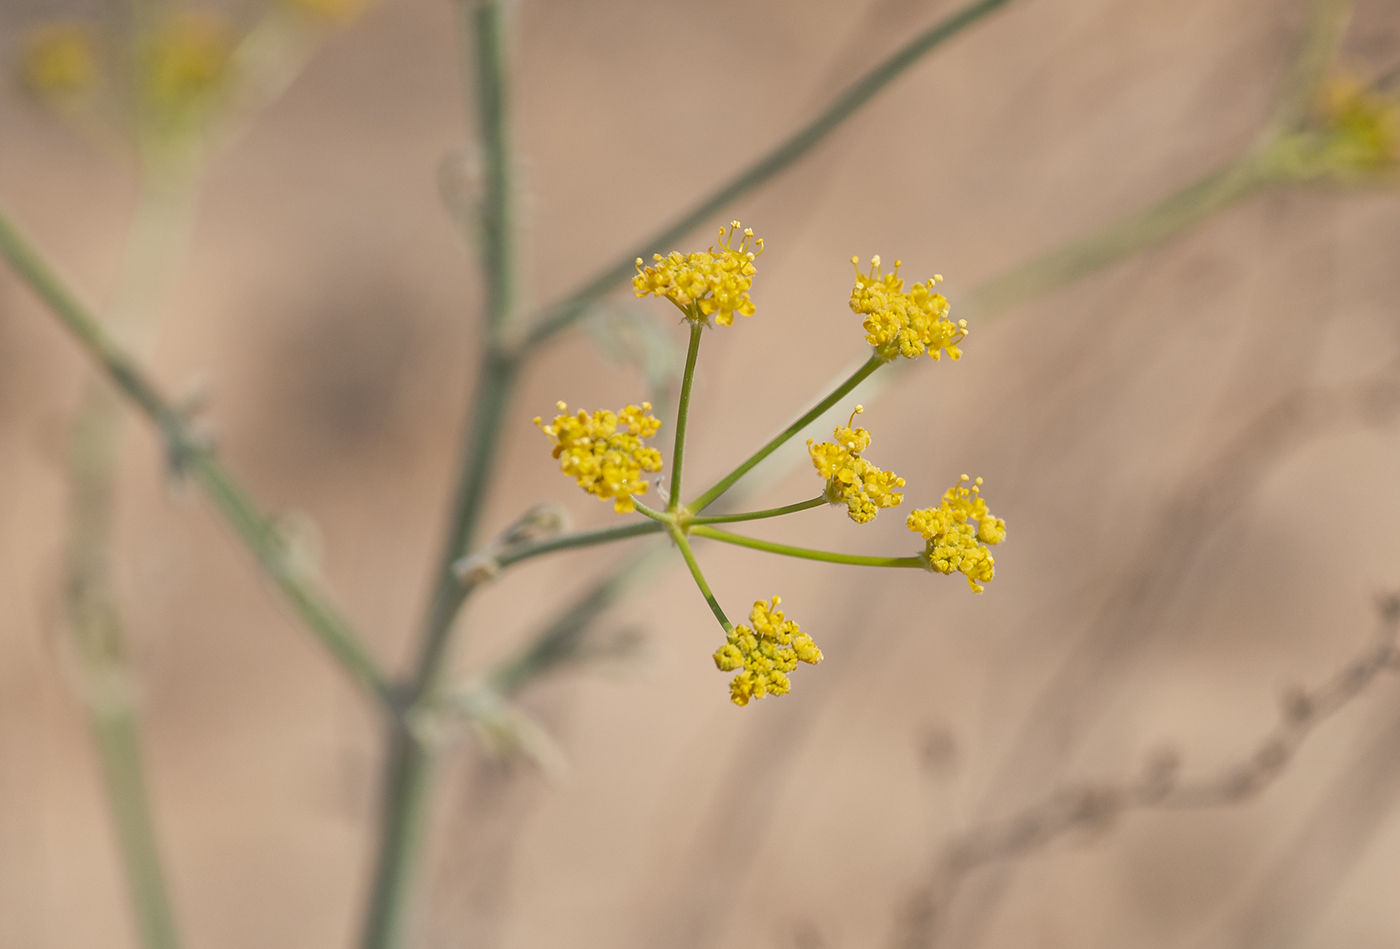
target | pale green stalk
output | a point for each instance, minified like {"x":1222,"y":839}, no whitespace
{"x":841,"y":391}
{"x":787,"y":550}
{"x":107,"y":685}
{"x":1117,"y":241}
{"x":683,"y":408}
{"x":155,"y":242}
{"x":699,"y":577}
{"x":118,"y":739}
{"x":807,"y":505}
{"x":410,"y":764}
{"x":516,"y":553}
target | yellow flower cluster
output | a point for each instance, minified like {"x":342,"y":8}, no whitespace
{"x":904,"y":324}
{"x":950,"y":542}
{"x":187,"y":58}
{"x":1355,"y":133}
{"x":604,"y":451}
{"x":850,"y":479}
{"x":1363,"y":127}
{"x":710,"y":283}
{"x":765,"y":653}
{"x":59,"y":59}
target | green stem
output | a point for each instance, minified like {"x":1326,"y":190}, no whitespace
{"x":409,"y":773}
{"x":804,"y":552}
{"x":493,"y":390}
{"x":1316,"y":53}
{"x":657,"y":516}
{"x":683,"y":410}
{"x":410,"y":765}
{"x":565,"y":312}
{"x":817,"y":501}
{"x":270,"y":547}
{"x":188,"y":452}
{"x":497,"y":206}
{"x":690,"y":562}
{"x":118,"y":740}
{"x":725,"y":483}
{"x":1118,"y":240}
{"x":100,"y":644}
{"x":607,"y":535}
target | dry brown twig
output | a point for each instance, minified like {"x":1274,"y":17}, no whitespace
{"x":1094,"y":808}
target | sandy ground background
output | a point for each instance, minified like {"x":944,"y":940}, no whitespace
{"x":1174,"y":563}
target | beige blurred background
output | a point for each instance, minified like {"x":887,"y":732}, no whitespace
{"x":1201,"y":512}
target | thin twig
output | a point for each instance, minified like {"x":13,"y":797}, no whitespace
{"x":191,"y":455}
{"x":779,"y":159}
{"x":1090,"y":807}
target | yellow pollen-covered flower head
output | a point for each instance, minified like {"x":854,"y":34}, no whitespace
{"x":850,"y":479}
{"x":604,"y":451}
{"x":957,"y":533}
{"x":904,"y":324}
{"x":765,"y":654}
{"x":714,"y":283}
{"x":59,"y":59}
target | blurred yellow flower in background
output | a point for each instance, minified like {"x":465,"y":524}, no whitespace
{"x":59,"y":59}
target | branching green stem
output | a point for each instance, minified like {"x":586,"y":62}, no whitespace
{"x":410,"y":764}
{"x":841,"y":391}
{"x":699,"y":577}
{"x":666,"y":518}
{"x":807,"y":505}
{"x":565,"y":312}
{"x":804,"y":552}
{"x":697,"y":326}
{"x":606,"y":535}
{"x":189,"y":454}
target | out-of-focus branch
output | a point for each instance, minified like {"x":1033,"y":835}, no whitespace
{"x":564,"y":313}
{"x":190,"y":454}
{"x":1094,"y":807}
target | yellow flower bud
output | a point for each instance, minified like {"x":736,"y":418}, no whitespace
{"x":59,"y":59}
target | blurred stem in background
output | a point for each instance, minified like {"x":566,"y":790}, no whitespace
{"x":153,"y":253}
{"x":410,"y":761}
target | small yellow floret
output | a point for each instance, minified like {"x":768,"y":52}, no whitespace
{"x":904,"y":324}
{"x":852,"y":480}
{"x":709,"y":283}
{"x":951,"y":543}
{"x":187,"y":58}
{"x":765,"y":654}
{"x":604,"y":451}
{"x":59,"y":59}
